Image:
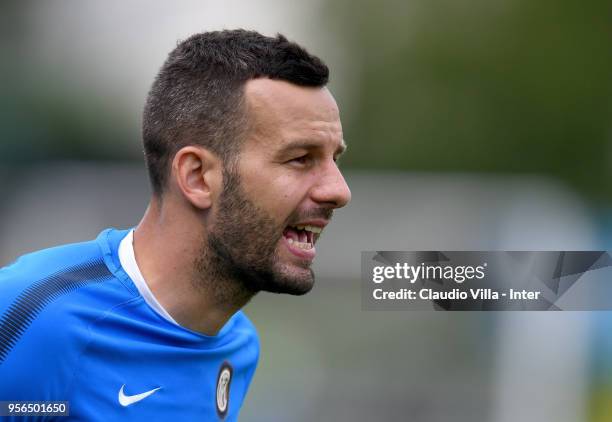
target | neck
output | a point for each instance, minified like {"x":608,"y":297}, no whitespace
{"x":184,"y":275}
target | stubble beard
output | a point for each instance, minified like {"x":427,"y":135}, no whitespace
{"x":239,"y":255}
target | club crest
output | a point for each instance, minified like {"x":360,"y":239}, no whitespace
{"x":224,"y":380}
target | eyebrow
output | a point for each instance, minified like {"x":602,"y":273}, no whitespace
{"x":309,"y":144}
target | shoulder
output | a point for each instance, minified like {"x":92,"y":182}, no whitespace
{"x":46,"y":261}
{"x":238,"y":337}
{"x":35,"y":280}
{"x":243,"y":325}
{"x":48,"y":299}
{"x":250,"y":350}
{"x":246,"y":339}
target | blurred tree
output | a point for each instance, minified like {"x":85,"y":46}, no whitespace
{"x":502,"y":86}
{"x":44,"y":114}
{"x":480,"y":86}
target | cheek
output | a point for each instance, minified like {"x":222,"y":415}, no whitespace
{"x":282,"y":198}
{"x":290,"y":190}
{"x":276,"y":188}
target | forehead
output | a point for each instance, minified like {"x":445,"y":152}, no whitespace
{"x":281,"y":112}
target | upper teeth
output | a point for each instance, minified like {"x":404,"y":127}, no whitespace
{"x":313,"y":229}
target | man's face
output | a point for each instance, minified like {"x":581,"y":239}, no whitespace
{"x":284,"y":188}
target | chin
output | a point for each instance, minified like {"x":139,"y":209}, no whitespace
{"x":290,"y":281}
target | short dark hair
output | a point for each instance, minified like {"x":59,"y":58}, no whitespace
{"x":197,"y":97}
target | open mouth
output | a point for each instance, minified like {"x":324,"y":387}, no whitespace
{"x":302,"y":237}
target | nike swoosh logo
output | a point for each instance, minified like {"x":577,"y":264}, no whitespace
{"x":127,"y":400}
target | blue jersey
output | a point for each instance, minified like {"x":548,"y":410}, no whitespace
{"x":73,"y":327}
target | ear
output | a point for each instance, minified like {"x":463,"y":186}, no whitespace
{"x":197,"y":172}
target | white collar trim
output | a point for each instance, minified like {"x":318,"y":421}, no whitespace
{"x":128,"y":262}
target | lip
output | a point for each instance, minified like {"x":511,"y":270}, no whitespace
{"x":307,"y":254}
{"x":316,"y":223}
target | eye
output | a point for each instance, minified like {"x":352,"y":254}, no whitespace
{"x":302,"y":160}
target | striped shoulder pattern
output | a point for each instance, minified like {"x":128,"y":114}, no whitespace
{"x":28,"y":304}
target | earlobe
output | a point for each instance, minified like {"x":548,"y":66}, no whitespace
{"x":195,"y":172}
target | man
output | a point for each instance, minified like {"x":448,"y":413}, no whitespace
{"x":241,"y":139}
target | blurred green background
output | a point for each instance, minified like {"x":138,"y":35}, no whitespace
{"x":471,"y":125}
{"x":510,"y":86}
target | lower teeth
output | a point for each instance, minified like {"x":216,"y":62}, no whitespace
{"x":300,"y":245}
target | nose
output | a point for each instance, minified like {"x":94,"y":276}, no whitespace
{"x":331,"y":188}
